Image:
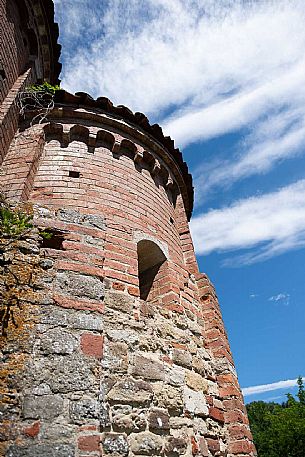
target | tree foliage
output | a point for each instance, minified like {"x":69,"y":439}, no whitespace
{"x":279,"y":430}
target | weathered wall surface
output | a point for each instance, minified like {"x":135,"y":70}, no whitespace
{"x":103,"y":371}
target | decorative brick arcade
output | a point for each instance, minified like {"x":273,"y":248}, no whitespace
{"x":117,"y":346}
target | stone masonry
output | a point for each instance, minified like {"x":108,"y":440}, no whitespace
{"x":115,"y":344}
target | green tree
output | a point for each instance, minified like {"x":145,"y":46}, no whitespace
{"x":279,"y":430}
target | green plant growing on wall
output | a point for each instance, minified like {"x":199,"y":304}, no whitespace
{"x":14,"y":222}
{"x":43,"y":87}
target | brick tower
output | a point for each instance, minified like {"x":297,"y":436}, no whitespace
{"x":113,"y":342}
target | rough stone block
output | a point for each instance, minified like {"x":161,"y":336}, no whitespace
{"x":83,"y":320}
{"x":62,"y":373}
{"x":175,"y":376}
{"x":119,"y":301}
{"x":182,"y":357}
{"x":124,"y":417}
{"x":131,"y":391}
{"x":83,"y":410}
{"x":104,"y":416}
{"x":146,"y":443}
{"x":126,"y":336}
{"x":79,"y":285}
{"x":115,"y":444}
{"x":196,"y":382}
{"x":148,"y":368}
{"x":42,"y":450}
{"x":158,"y":419}
{"x":57,"y":341}
{"x":194,"y":402}
{"x":115,"y":357}
{"x":43,"y":407}
{"x":175,"y":446}
{"x":168,"y":397}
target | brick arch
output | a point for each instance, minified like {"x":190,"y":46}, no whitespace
{"x":104,"y":139}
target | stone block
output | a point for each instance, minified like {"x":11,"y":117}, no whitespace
{"x":182,"y":357}
{"x":46,"y":407}
{"x":62,"y":373}
{"x":131,"y":391}
{"x":148,"y":368}
{"x":158,"y":419}
{"x":119,"y":301}
{"x":115,"y":357}
{"x":94,"y":220}
{"x":83,"y":410}
{"x":196,"y":382}
{"x":58,"y":341}
{"x":42,"y":450}
{"x":124,"y":417}
{"x":146,"y":443}
{"x":104,"y":416}
{"x":194,"y":402}
{"x":115,"y":444}
{"x":79,"y":285}
{"x":199,"y":365}
{"x":168,"y":397}
{"x":175,"y":446}
{"x":175,"y":376}
{"x":69,"y":215}
{"x":83,"y":320}
{"x":125,"y":336}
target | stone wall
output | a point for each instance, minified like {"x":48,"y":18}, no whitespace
{"x":100,"y":371}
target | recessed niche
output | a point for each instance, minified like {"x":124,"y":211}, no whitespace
{"x":74,"y":174}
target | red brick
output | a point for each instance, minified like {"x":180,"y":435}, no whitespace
{"x":89,"y":443}
{"x":85,"y":305}
{"x":216,"y":414}
{"x":195,"y":447}
{"x":241,"y":447}
{"x":92,"y":345}
{"x":32,"y":430}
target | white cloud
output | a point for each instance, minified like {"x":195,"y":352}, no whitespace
{"x":269,"y":387}
{"x":278,"y":137}
{"x":157,"y":54}
{"x":216,"y":66}
{"x":281,"y":298}
{"x":272,"y":224}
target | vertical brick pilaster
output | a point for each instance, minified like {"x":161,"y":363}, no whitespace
{"x":235,"y":415}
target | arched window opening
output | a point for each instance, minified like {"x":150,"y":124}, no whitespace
{"x":151,"y":260}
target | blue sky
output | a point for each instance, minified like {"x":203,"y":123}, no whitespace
{"x":226,"y":79}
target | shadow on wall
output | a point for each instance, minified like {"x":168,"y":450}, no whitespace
{"x":150,"y":261}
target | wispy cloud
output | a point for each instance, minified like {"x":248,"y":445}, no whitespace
{"x":278,"y":137}
{"x":269,"y":387}
{"x":217,"y":55}
{"x":215,"y":66}
{"x":280,"y":298}
{"x":272,"y":224}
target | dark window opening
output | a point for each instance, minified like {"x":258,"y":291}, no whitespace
{"x":150,"y":260}
{"x":74,"y":174}
{"x":52,"y":239}
{"x":2,"y":72}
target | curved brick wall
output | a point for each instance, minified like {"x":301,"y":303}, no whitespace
{"x":101,"y":371}
{"x":28,"y":53}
